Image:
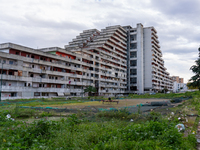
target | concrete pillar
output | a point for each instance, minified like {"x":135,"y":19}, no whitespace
{"x":140,"y":58}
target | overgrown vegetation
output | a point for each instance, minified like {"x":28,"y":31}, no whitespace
{"x":105,"y":130}
{"x":162,"y":95}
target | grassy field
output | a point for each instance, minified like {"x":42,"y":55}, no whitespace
{"x":105,"y":130}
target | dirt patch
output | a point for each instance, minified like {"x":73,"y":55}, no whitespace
{"x":99,"y":104}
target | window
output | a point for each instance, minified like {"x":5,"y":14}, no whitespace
{"x":32,"y":57}
{"x":17,"y":53}
{"x":133,"y":30}
{"x":133,"y":63}
{"x":4,"y":61}
{"x":133,"y":88}
{"x":32,"y":66}
{"x":36,"y":94}
{"x":3,"y":83}
{"x":13,"y":94}
{"x":133,"y":37}
{"x":31,"y":75}
{"x":133,"y":80}
{"x":133,"y":72}
{"x":11,"y":62}
{"x":133,"y":46}
{"x":133,"y":54}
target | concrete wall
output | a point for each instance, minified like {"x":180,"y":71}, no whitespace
{"x":147,"y":58}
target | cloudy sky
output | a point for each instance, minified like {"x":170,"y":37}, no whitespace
{"x":47,"y":23}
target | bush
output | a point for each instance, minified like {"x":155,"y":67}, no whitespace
{"x":118,"y":114}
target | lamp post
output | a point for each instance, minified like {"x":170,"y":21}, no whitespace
{"x":1,"y":79}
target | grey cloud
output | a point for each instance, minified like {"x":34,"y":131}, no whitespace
{"x":184,"y":10}
{"x":177,"y":22}
{"x":69,"y":25}
{"x":183,"y":7}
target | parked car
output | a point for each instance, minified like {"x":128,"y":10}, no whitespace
{"x":152,"y":93}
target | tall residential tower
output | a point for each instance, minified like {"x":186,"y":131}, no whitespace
{"x":145,"y":66}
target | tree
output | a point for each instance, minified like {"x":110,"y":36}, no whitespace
{"x":165,"y":90}
{"x":90,"y":89}
{"x":190,"y":86}
{"x":195,"y":80}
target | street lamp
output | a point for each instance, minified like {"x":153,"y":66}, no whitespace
{"x":1,"y":79}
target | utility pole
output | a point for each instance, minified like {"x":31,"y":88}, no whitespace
{"x":1,"y":80}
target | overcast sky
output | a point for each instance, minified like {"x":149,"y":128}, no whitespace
{"x":47,"y":23}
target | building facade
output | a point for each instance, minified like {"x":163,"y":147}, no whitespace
{"x":95,"y":58}
{"x":177,"y":79}
{"x":145,"y":67}
{"x":116,"y":60}
{"x":179,"y":87}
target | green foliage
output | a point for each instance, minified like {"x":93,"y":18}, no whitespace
{"x":195,"y":80}
{"x":192,"y":140}
{"x":75,"y":133}
{"x":161,"y":95}
{"x":46,"y":114}
{"x":154,"y":116}
{"x":90,"y":89}
{"x":23,"y":113}
{"x":118,"y":114}
{"x":107,"y":130}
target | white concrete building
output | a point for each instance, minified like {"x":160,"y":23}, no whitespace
{"x":179,"y":87}
{"x":95,"y":58}
{"x":145,"y":66}
{"x":116,"y":60}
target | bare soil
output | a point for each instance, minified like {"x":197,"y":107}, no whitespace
{"x":106,"y":105}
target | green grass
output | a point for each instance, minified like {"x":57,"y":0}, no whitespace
{"x":162,"y":95}
{"x":101,"y":131}
{"x":80,"y":133}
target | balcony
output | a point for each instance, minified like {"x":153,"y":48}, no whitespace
{"x":32,"y":89}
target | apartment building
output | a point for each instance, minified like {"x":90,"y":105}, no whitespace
{"x":108,"y":48}
{"x":177,"y":79}
{"x":145,"y":67}
{"x":179,"y":87}
{"x":116,"y":60}
{"x":94,"y":58}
